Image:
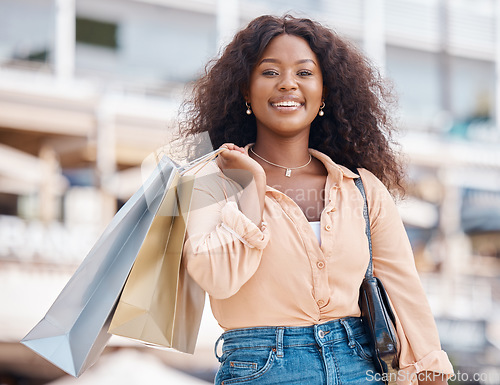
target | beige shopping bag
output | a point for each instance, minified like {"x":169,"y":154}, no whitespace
{"x":160,"y":304}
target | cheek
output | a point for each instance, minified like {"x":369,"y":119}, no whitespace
{"x":315,"y":99}
{"x":258,"y":92}
{"x":318,"y":90}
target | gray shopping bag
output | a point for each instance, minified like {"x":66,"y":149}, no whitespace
{"x":74,"y":331}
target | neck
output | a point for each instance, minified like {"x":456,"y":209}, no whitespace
{"x":288,"y":152}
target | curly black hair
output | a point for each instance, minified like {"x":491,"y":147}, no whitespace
{"x":356,"y":129}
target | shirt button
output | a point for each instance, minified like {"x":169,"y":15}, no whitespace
{"x":320,"y":264}
{"x":328,"y":227}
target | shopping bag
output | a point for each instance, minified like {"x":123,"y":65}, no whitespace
{"x":160,"y":304}
{"x":74,"y":331}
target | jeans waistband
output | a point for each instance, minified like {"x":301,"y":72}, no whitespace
{"x":279,"y":337}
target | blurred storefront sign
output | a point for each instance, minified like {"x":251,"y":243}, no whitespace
{"x":34,"y":241}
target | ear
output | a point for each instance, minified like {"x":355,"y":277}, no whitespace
{"x":325,"y":93}
{"x":246,"y":94}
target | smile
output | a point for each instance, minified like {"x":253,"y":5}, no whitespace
{"x":286,"y":105}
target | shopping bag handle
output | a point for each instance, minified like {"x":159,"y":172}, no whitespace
{"x":203,"y":161}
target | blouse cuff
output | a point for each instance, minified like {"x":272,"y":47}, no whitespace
{"x":436,"y":361}
{"x":234,"y":221}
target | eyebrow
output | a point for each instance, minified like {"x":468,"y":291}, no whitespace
{"x":270,"y":60}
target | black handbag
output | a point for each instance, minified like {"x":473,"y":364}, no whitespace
{"x":376,"y":312}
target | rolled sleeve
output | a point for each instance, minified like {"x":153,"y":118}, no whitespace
{"x":243,"y":228}
{"x":436,"y":361}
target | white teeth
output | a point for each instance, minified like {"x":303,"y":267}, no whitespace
{"x":286,"y":104}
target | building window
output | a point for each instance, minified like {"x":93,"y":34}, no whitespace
{"x":95,"y":32}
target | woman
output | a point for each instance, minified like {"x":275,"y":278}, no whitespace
{"x":278,"y":238}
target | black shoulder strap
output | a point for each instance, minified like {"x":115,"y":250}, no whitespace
{"x":359,"y":185}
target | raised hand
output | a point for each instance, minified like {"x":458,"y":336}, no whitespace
{"x":236,"y":158}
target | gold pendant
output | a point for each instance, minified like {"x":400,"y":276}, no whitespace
{"x":288,"y":172}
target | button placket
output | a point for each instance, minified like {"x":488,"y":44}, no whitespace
{"x":332,"y":198}
{"x":331,"y":208}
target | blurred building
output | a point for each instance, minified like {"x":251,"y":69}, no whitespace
{"x":89,"y":88}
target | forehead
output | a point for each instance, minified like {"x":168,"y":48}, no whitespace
{"x":289,"y":47}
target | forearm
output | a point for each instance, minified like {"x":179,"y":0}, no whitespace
{"x":237,"y":165}
{"x":251,"y":201}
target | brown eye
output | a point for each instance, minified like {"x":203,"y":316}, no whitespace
{"x":270,"y":73}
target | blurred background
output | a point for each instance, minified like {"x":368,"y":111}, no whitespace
{"x":89,"y":88}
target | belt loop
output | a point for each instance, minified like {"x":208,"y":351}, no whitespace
{"x":348,"y":330}
{"x":216,"y":346}
{"x":280,"y":331}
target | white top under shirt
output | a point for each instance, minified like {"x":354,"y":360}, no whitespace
{"x":316,"y":226}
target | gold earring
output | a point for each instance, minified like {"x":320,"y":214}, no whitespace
{"x":321,"y":112}
{"x":249,"y":111}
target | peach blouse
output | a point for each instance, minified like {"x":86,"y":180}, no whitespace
{"x":279,"y":274}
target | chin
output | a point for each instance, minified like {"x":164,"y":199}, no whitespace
{"x":290,"y":131}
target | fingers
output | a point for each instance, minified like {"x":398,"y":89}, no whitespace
{"x":226,"y":158}
{"x":233,"y":147}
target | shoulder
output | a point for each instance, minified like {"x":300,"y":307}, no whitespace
{"x":210,"y":179}
{"x":376,"y":192}
{"x":369,"y":179}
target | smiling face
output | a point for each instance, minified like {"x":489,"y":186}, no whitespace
{"x":286,"y":86}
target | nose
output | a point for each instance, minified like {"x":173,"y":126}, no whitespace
{"x":287,"y":81}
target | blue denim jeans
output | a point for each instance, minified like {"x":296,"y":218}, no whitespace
{"x":336,"y":352}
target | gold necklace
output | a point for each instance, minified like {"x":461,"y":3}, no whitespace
{"x":288,"y":171}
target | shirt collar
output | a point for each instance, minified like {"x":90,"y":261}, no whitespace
{"x":331,"y":166}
